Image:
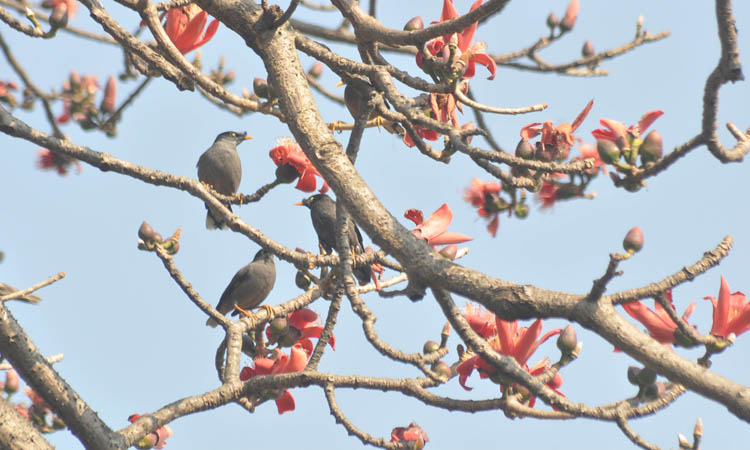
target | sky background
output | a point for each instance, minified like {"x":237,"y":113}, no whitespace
{"x":133,"y":342}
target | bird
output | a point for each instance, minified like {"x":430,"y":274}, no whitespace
{"x":355,"y":96}
{"x":220,"y":168}
{"x":249,"y":286}
{"x":323,"y":215}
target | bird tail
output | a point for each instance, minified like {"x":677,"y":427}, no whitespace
{"x":212,"y":223}
{"x":212,"y":323}
{"x":362,"y":273}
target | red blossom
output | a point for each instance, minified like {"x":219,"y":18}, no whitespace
{"x":481,"y":320}
{"x":78,"y":97}
{"x":617,"y":131}
{"x":422,"y":132}
{"x":412,"y":433}
{"x":469,"y":52}
{"x":71,"y":5}
{"x":306,"y":321}
{"x":547,"y":195}
{"x":433,"y":230}
{"x":731,"y":312}
{"x":289,"y":152}
{"x":658,"y":323}
{"x":557,"y":137}
{"x":49,"y":160}
{"x":280,"y":363}
{"x":484,"y":196}
{"x":185,"y":25}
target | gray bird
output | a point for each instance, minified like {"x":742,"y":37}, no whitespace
{"x":323,"y":215}
{"x":220,"y":168}
{"x":249,"y":286}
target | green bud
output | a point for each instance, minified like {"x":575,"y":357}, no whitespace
{"x":524,"y":149}
{"x":442,"y":369}
{"x":609,"y":152}
{"x":279,"y":326}
{"x":430,"y":347}
{"x":302,"y":280}
{"x":652,"y":147}
{"x":415,"y":24}
{"x":290,"y":338}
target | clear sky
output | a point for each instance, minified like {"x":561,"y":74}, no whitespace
{"x":133,"y":342}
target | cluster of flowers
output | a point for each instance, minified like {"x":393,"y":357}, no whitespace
{"x":295,"y":332}
{"x":38,"y":413}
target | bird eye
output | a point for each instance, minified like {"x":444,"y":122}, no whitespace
{"x":234,"y":134}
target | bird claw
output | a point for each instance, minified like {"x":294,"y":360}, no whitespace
{"x":269,"y":310}
{"x":377,"y":122}
{"x":247,"y":314}
{"x":337,"y":125}
{"x":210,"y":187}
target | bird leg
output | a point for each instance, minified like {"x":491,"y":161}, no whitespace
{"x":338,"y":125}
{"x":239,"y":196}
{"x":247,"y":314}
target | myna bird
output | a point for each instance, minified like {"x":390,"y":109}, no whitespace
{"x":355,"y":97}
{"x":249,"y":286}
{"x":323,"y":215}
{"x":220,"y":168}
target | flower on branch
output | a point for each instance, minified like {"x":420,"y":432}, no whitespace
{"x":289,"y":155}
{"x":485,"y":196}
{"x":658,"y":323}
{"x":413,"y":434}
{"x":629,"y":141}
{"x":49,"y":160}
{"x":433,"y":230}
{"x":556,"y":141}
{"x":185,"y":25}
{"x":5,"y":95}
{"x":731,"y":312}
{"x":457,"y":54}
{"x":78,"y":99}
{"x":295,"y":361}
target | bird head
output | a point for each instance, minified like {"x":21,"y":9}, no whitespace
{"x":309,"y":201}
{"x":232,"y":136}
{"x":263,"y":254}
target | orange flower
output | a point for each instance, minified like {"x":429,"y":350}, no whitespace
{"x":289,"y":152}
{"x":731,"y":312}
{"x":433,"y":230}
{"x":185,"y":25}
{"x":658,"y":323}
{"x":484,"y":195}
{"x":557,"y":137}
{"x":280,"y":363}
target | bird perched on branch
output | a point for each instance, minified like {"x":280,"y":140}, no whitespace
{"x":323,"y":215}
{"x":249,"y":286}
{"x":220,"y":168}
{"x":356,"y":95}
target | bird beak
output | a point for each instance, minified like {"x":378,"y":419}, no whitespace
{"x":340,"y":83}
{"x":247,"y":138}
{"x":299,"y":204}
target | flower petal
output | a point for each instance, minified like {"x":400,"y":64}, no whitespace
{"x":647,"y":119}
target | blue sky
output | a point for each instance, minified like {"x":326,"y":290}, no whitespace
{"x":133,"y":342}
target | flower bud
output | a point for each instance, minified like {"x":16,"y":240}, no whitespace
{"x":683,"y":442}
{"x":571,"y":15}
{"x":652,"y":147}
{"x":279,"y":326}
{"x":588,"y":49}
{"x":449,"y":251}
{"x":633,"y":241}
{"x":415,"y":24}
{"x":633,"y":372}
{"x":110,"y":95}
{"x":646,"y":377}
{"x":286,"y":173}
{"x":567,"y":340}
{"x":442,"y":369}
{"x":261,"y":89}
{"x":316,"y":70}
{"x":11,"y":381}
{"x":430,"y":347}
{"x":290,"y":338}
{"x":147,"y":233}
{"x":655,"y":390}
{"x":698,"y":430}
{"x":608,"y":151}
{"x":59,"y":16}
{"x":552,"y":21}
{"x":521,"y":210}
{"x":524,"y":149}
{"x":302,"y":280}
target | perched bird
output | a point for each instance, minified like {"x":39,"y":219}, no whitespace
{"x":221,"y":169}
{"x":28,"y":298}
{"x":249,"y":286}
{"x":323,"y":215}
{"x":355,"y":97}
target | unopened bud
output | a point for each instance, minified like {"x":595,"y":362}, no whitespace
{"x":415,"y":24}
{"x":302,"y":280}
{"x":633,"y":372}
{"x":652,"y":147}
{"x":110,"y":95}
{"x":316,"y":70}
{"x":279,"y":326}
{"x":261,"y":89}
{"x":449,"y":251}
{"x":521,"y":210}
{"x":11,"y":381}
{"x":552,"y":21}
{"x":286,"y":173}
{"x":633,"y":241}
{"x":571,"y":15}
{"x":683,"y":442}
{"x":290,"y":337}
{"x":567,"y":340}
{"x":524,"y":149}
{"x":588,"y":49}
{"x":608,"y":151}
{"x":59,"y":16}
{"x":147,"y":233}
{"x":646,"y":376}
{"x":430,"y":347}
{"x":442,"y":369}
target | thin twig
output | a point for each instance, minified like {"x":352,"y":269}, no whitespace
{"x":29,"y":290}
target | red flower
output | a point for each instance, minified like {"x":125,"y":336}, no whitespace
{"x":50,"y":160}
{"x":556,"y":137}
{"x":433,"y":229}
{"x":731,"y":312}
{"x":424,"y":133}
{"x":185,"y":25}
{"x":156,"y":439}
{"x":281,"y":363}
{"x":306,"y":321}
{"x":484,"y":195}
{"x":618,"y":133}
{"x":411,"y":434}
{"x":78,"y":97}
{"x":481,"y":321}
{"x":71,"y":5}
{"x":468,"y":52}
{"x":658,"y":323}
{"x":547,"y":196}
{"x":289,"y":152}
